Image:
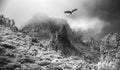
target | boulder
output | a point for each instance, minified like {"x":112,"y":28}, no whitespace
{"x":8,"y":46}
{"x":26,"y":60}
{"x":44,"y":63}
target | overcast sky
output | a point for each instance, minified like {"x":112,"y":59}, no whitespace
{"x":98,"y":16}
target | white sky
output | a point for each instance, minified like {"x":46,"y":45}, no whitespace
{"x":22,"y":10}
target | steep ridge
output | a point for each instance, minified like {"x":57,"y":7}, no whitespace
{"x":44,"y":29}
{"x":64,"y":43}
{"x":58,"y":30}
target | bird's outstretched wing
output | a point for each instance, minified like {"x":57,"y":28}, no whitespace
{"x":70,"y":12}
{"x":74,"y":10}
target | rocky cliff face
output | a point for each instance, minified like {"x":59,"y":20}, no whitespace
{"x":110,"y":50}
{"x":20,"y":51}
{"x":57,"y":30}
{"x":6,"y":22}
{"x":64,"y":43}
{"x":63,"y":39}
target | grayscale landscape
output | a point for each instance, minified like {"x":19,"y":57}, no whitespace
{"x":59,"y":35}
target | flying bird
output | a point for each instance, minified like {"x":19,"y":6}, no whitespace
{"x":70,"y":12}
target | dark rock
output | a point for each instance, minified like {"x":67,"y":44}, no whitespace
{"x":4,"y":61}
{"x":48,"y":59}
{"x":2,"y":51}
{"x":12,"y":66}
{"x":7,"y":34}
{"x":37,"y":68}
{"x":7,"y":68}
{"x":67,"y":67}
{"x":57,"y":68}
{"x":9,"y":54}
{"x":53,"y":68}
{"x":26,"y":60}
{"x":44,"y":63}
{"x":64,"y":43}
{"x":59,"y":57}
{"x":8,"y":46}
{"x":35,"y":40}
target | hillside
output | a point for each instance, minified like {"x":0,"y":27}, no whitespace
{"x":63,"y":49}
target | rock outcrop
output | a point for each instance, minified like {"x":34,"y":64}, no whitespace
{"x":110,"y":50}
{"x":6,"y":22}
{"x":23,"y":51}
{"x":58,"y":32}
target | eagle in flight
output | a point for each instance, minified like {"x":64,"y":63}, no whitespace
{"x":70,"y":12}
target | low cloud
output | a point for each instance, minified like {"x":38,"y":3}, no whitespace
{"x":92,"y":16}
{"x":92,"y":26}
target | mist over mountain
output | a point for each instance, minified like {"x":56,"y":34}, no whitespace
{"x":44,"y":25}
